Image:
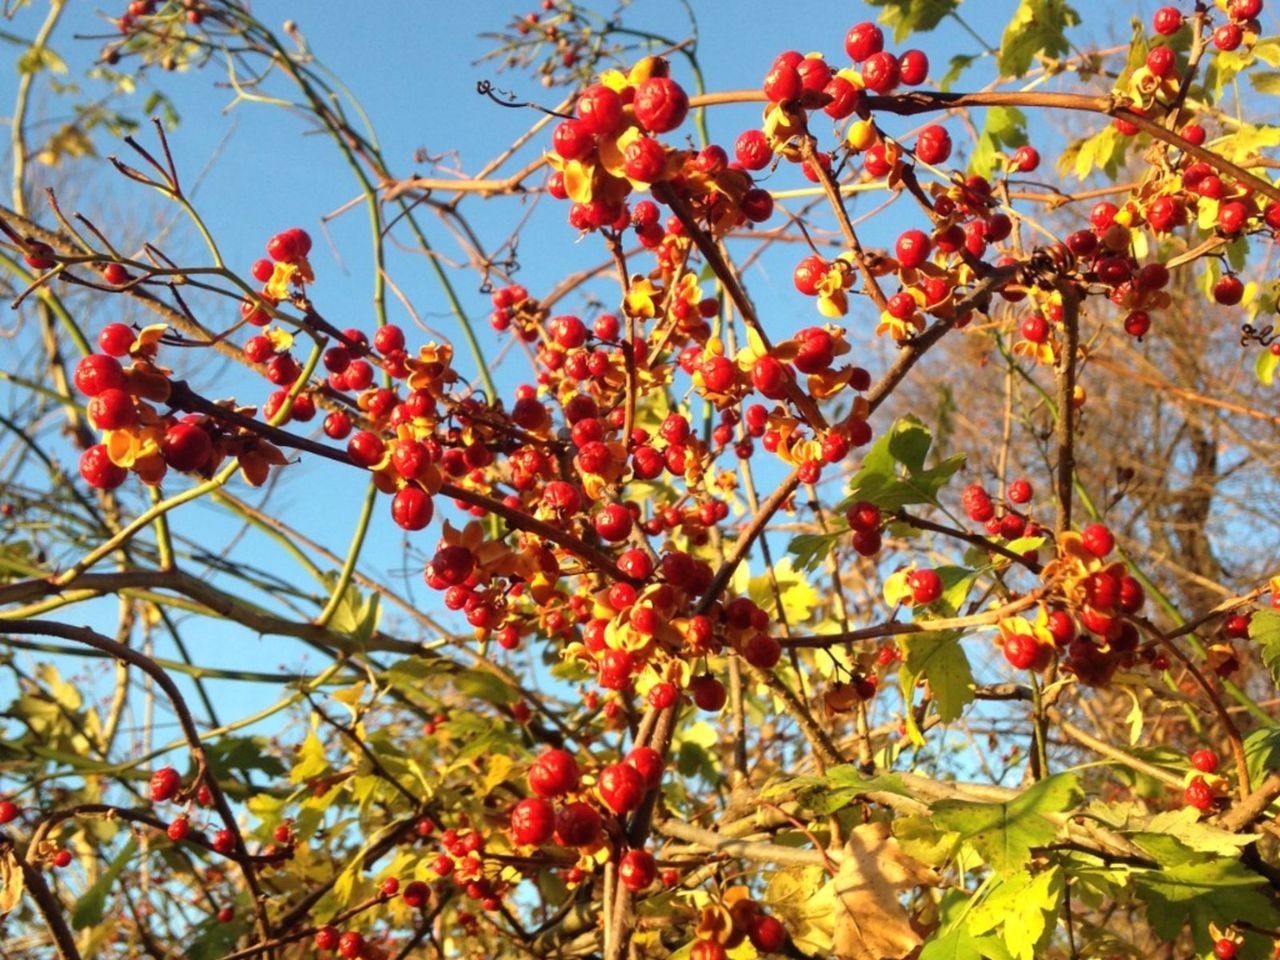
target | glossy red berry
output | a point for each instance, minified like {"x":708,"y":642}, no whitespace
{"x":411,"y":508}
{"x":1228,"y":36}
{"x":577,"y":825}
{"x":1167,"y":21}
{"x":98,"y":372}
{"x":1024,"y":652}
{"x":1198,"y":794}
{"x":1225,"y":949}
{"x":186,"y":447}
{"x":913,"y":248}
{"x":1025,"y":159}
{"x":933,"y":146}
{"x":881,"y":72}
{"x":767,"y":934}
{"x":532,"y":821}
{"x":863,"y":40}
{"x":1098,"y":540}
{"x":1019,"y":491}
{"x":913,"y":67}
{"x":350,"y":945}
{"x":660,"y":105}
{"x":621,"y":787}
{"x":600,"y":109}
{"x":708,"y":693}
{"x":1206,"y":761}
{"x":1228,"y":291}
{"x":8,"y":811}
{"x":637,"y":870}
{"x":326,"y":938}
{"x":164,"y":784}
{"x":554,"y":774}
{"x":613,"y":523}
{"x":926,"y":586}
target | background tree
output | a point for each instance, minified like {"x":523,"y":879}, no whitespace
{"x":852,"y":537}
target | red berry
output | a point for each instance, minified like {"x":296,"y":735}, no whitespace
{"x":8,"y":811}
{"x":164,"y":784}
{"x":411,"y":508}
{"x":1024,"y":652}
{"x":554,"y":774}
{"x":613,"y":523}
{"x":1228,"y":291}
{"x":98,"y":470}
{"x":708,"y":693}
{"x":1019,"y":491}
{"x":767,"y":934}
{"x":1167,"y":21}
{"x":1198,"y":794}
{"x":621,"y":787}
{"x":863,"y":40}
{"x":913,"y":248}
{"x":644,"y":160}
{"x":98,"y":372}
{"x":1025,"y":159}
{"x":1098,"y":540}
{"x":224,"y":841}
{"x":599,"y":109}
{"x":881,"y":72}
{"x":660,"y":105}
{"x":1160,"y":60}
{"x":350,"y":945}
{"x":933,"y":146}
{"x":326,"y":938}
{"x":62,"y":858}
{"x":752,"y":150}
{"x":1225,"y":949}
{"x":1206,"y":761}
{"x":926,"y":586}
{"x":186,"y":447}
{"x":577,"y":825}
{"x":1228,"y":36}
{"x":637,"y":870}
{"x":913,"y":67}
{"x":112,"y":410}
{"x":532,"y":821}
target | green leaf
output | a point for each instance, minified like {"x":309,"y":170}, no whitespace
{"x":356,"y":615}
{"x":1265,"y":81}
{"x":487,"y":687}
{"x":1264,"y":630}
{"x":244,"y":753}
{"x":913,"y":16}
{"x":959,"y":63}
{"x":1004,"y":834}
{"x":90,"y":907}
{"x":1037,"y":26}
{"x":941,"y":659}
{"x":1004,"y":127}
{"x":1024,"y":906}
{"x":810,"y":549}
{"x":1262,"y":753}
{"x":893,"y":474}
{"x":1220,"y":891}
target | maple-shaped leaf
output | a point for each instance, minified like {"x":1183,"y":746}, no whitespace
{"x":871,"y":922}
{"x":1003,"y":834}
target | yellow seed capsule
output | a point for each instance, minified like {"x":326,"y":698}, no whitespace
{"x":862,"y":134}
{"x":1078,"y":397}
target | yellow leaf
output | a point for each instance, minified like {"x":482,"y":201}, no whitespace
{"x":11,"y":877}
{"x":896,"y":590}
{"x":871,"y":923}
{"x":349,"y":697}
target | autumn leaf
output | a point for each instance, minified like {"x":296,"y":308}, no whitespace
{"x":10,"y":882}
{"x":872,"y":923}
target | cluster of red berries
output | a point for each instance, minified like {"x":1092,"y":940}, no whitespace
{"x":137,"y":436}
